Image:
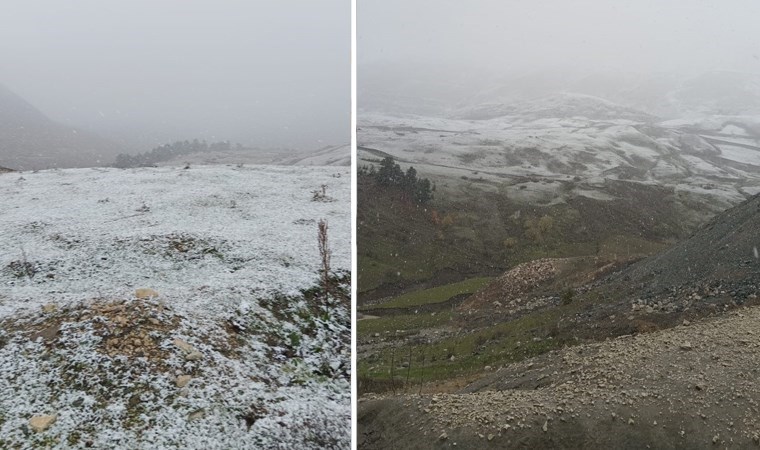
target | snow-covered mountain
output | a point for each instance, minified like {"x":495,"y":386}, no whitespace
{"x":573,"y":137}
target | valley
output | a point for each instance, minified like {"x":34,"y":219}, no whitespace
{"x":560,"y":227}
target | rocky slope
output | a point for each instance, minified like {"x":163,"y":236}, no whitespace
{"x":691,"y":386}
{"x":725,"y":250}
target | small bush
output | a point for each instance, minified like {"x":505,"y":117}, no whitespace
{"x":22,"y":268}
{"x":320,"y":195}
{"x":567,"y":297}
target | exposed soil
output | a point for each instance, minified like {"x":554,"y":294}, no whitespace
{"x":690,"y":386}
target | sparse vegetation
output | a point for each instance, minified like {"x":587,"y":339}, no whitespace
{"x":168,"y":151}
{"x":320,"y":195}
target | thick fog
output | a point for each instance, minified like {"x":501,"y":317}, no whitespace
{"x":262,"y":73}
{"x":453,"y":48}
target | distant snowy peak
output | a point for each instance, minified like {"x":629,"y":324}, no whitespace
{"x":562,"y":105}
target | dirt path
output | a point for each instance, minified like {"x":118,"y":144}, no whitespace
{"x":693,"y":386}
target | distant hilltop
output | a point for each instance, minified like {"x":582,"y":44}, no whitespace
{"x":29,"y":140}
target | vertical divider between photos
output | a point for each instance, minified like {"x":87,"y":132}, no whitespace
{"x":354,"y":271}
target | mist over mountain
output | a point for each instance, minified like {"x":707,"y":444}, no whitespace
{"x":30,"y":140}
{"x":421,"y":89}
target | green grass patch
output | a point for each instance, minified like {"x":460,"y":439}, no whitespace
{"x":619,"y":247}
{"x":437,"y":294}
{"x":468,"y":353}
{"x":413,"y":322}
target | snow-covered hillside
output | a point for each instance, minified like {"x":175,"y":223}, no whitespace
{"x":336,"y":155}
{"x":228,"y":250}
{"x":573,"y":137}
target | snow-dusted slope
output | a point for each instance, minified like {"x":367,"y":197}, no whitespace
{"x":228,"y":249}
{"x":572,"y":136}
{"x":337,"y":155}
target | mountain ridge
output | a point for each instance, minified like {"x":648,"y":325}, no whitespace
{"x":29,"y":140}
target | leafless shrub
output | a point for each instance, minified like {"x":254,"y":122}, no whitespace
{"x":320,"y":195}
{"x":324,"y":255}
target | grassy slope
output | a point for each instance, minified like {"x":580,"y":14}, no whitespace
{"x":437,"y":294}
{"x":467,"y":232}
{"x":482,"y":233}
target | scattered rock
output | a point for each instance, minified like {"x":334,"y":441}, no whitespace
{"x":143,"y":293}
{"x":196,"y":415}
{"x":184,"y":346}
{"x":182,"y":380}
{"x":41,"y":423}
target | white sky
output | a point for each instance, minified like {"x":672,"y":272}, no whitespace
{"x":643,"y":35}
{"x":268,"y":73}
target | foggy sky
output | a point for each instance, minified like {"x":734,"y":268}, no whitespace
{"x":619,"y":35}
{"x":263,"y":73}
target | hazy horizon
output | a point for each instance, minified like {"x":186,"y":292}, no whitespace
{"x":267,"y":75}
{"x":436,"y":54}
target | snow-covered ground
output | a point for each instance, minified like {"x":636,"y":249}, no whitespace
{"x":334,"y":155}
{"x":229,"y":250}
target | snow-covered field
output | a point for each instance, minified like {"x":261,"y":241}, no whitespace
{"x":228,"y":249}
